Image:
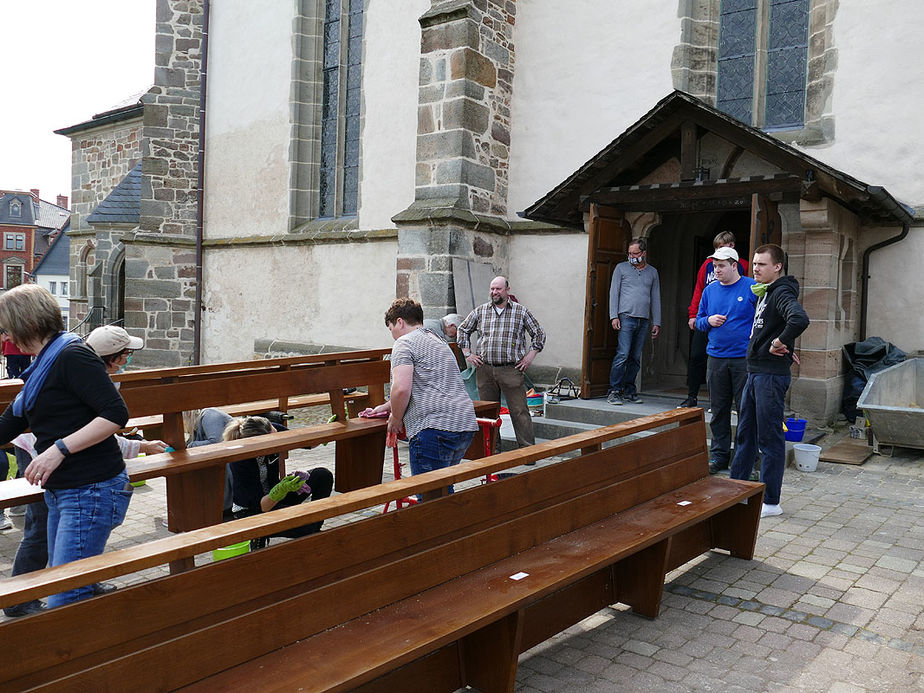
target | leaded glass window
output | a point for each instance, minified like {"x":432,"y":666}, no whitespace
{"x":763,"y":37}
{"x":340,"y":108}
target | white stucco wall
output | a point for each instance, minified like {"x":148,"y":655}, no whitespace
{"x":894,"y":311}
{"x":319,"y":294}
{"x":876,"y":103}
{"x":391,"y":69}
{"x":247,"y":118}
{"x":548,"y":274}
{"x":585,"y":71}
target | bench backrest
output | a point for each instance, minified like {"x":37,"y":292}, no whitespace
{"x":179,"y":629}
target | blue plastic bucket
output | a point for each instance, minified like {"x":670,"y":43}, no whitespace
{"x":796,"y":430}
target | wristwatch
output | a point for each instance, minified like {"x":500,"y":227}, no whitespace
{"x":62,"y":447}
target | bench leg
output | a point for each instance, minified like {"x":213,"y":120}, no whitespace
{"x":489,"y":655}
{"x":359,"y":461}
{"x":735,"y":529}
{"x":640,"y":579}
{"x":194,"y":500}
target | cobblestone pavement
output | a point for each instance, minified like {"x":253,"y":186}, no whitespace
{"x":833,"y":600}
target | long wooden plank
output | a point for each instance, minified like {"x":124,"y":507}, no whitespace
{"x":159,"y":552}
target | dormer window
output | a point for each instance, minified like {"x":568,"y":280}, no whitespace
{"x":15,"y":208}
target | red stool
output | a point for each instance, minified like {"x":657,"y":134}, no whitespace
{"x":399,"y":502}
{"x":486,"y":425}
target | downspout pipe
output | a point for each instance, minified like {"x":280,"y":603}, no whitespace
{"x":200,"y":188}
{"x":887,"y":201}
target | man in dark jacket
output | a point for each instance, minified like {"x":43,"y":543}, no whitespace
{"x":778,"y":320}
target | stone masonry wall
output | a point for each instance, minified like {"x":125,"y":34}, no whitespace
{"x":160,"y":258}
{"x":466,"y":86}
{"x":100,"y":159}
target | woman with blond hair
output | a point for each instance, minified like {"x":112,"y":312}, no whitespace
{"x":71,"y":405}
{"x":258,"y":488}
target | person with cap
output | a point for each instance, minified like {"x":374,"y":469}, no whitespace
{"x":696,"y":366}
{"x":71,"y":405}
{"x":726,"y":311}
{"x":115,"y":347}
{"x":447,"y":327}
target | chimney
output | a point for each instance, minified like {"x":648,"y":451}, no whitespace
{"x":62,"y":201}
{"x":35,"y":193}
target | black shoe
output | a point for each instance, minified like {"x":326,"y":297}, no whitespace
{"x":27,"y":609}
{"x":716,"y":467}
{"x":103,"y":588}
{"x":633,"y":399}
{"x":688,"y":402}
{"x":259,"y":543}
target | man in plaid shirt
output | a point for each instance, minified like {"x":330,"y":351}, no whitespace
{"x":502,"y":355}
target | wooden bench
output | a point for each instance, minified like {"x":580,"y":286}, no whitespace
{"x":429,"y":598}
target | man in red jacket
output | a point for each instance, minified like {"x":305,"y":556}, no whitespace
{"x":696,"y":366}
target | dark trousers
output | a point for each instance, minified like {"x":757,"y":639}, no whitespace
{"x":492,"y":380}
{"x":696,"y":366}
{"x":16,"y":364}
{"x":760,"y":428}
{"x":726,"y":378}
{"x":32,"y":553}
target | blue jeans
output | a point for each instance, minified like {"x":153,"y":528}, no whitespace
{"x":79,"y":523}
{"x":628,"y":359}
{"x":726,"y":378}
{"x":435,"y":449}
{"x":760,"y":428}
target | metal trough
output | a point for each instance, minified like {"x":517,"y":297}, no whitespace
{"x":892,"y":400}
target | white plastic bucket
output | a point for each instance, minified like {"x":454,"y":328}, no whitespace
{"x":806,"y":456}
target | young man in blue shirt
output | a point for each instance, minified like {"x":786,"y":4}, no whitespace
{"x":726,"y":313}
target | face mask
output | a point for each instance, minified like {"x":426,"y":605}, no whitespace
{"x":128,"y":360}
{"x":635,"y":260}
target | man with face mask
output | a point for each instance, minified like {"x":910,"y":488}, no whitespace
{"x":635,"y":300}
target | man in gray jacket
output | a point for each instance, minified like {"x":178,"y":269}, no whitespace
{"x":635,"y":300}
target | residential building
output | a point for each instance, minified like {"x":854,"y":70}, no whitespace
{"x":28,"y":226}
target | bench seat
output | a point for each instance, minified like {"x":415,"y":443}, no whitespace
{"x":622,"y":558}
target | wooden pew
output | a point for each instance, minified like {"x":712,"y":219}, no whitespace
{"x":429,"y":598}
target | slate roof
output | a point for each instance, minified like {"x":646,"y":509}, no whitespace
{"x":28,"y":211}
{"x":52,"y":216}
{"x":123,"y":204}
{"x":661,"y":125}
{"x":58,"y":258}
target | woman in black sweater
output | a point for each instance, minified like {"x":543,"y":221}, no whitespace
{"x":74,"y":410}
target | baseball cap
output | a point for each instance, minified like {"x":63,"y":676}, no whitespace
{"x":725,"y":254}
{"x":111,"y":339}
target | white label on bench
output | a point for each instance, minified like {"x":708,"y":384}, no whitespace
{"x":233,"y":447}
{"x":519,"y":576}
{"x":684,"y":502}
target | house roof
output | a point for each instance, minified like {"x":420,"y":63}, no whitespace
{"x":52,"y":216}
{"x":623,"y":162}
{"x":123,"y":204}
{"x":126,"y":109}
{"x":58,"y":258}
{"x":28,"y":209}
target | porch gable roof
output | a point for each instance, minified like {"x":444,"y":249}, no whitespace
{"x":658,"y":132}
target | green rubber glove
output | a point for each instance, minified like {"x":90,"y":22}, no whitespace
{"x":286,"y":486}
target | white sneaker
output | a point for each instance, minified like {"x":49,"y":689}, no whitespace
{"x":5,"y":521}
{"x":770,"y":510}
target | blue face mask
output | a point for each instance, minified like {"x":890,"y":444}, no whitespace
{"x":635,"y":260}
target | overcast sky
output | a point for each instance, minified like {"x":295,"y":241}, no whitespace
{"x":63,"y":61}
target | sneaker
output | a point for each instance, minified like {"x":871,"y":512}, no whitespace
{"x":17,"y":511}
{"x":6,"y":524}
{"x":688,"y":402}
{"x":103,"y":588}
{"x":716,"y":467}
{"x":27,"y":609}
{"x":635,"y":399}
{"x":614,"y":398}
{"x":770,"y":510}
